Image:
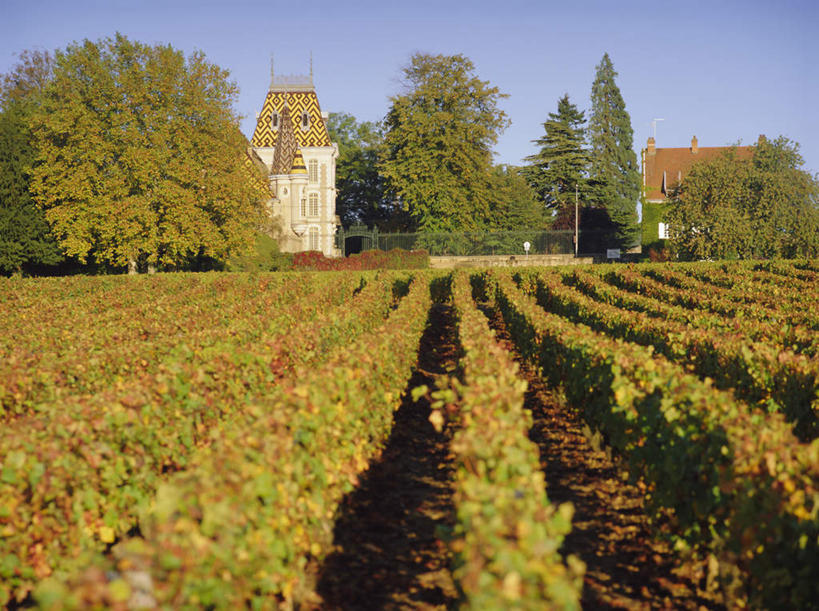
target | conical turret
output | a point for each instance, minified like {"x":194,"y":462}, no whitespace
{"x":286,"y":147}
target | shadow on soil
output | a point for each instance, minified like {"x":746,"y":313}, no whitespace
{"x":389,"y":553}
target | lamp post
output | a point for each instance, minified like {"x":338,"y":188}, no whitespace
{"x":576,"y":236}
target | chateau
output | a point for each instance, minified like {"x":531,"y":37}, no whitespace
{"x":291,"y":140}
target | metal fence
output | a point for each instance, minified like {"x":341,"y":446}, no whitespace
{"x":358,"y":238}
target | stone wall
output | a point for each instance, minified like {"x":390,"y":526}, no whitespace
{"x":450,"y":262}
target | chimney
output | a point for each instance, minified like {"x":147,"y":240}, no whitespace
{"x":694,"y":146}
{"x":650,"y":149}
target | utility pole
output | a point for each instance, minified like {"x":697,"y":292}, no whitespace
{"x":576,"y":237}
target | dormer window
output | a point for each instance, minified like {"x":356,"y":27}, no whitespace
{"x":305,"y":121}
{"x":274,"y":121}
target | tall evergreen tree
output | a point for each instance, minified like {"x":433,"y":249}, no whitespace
{"x":437,"y":155}
{"x":614,"y":176}
{"x":560,"y":165}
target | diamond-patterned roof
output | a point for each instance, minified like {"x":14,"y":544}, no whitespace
{"x":287,"y":146}
{"x":312,"y":132}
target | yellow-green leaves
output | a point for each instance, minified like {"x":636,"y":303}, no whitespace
{"x":140,"y":157}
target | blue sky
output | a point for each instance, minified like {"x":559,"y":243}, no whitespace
{"x":724,"y":71}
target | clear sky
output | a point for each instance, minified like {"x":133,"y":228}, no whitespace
{"x":723,"y":70}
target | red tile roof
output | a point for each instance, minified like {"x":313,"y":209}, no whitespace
{"x":665,"y":167}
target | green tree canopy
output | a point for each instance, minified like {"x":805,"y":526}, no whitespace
{"x":25,"y":238}
{"x":362,"y":195}
{"x":614,"y":176}
{"x":759,"y":207}
{"x":140,"y":157}
{"x":439,"y":134}
{"x":516,"y":205}
{"x":561,"y":163}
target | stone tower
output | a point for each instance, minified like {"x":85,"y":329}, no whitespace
{"x":291,"y":139}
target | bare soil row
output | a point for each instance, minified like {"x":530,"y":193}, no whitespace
{"x":390,"y":539}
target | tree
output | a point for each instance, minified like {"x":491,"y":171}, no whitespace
{"x":561,"y":163}
{"x":758,"y":207}
{"x":614,"y":176}
{"x":25,"y":238}
{"x":362,"y":195}
{"x":516,"y":206}
{"x":27,"y":78}
{"x":140,"y":158}
{"x":439,"y":133}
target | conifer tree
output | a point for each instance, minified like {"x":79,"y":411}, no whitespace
{"x":614,"y":176}
{"x":560,"y":165}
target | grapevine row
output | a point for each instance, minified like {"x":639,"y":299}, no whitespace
{"x":757,"y":372}
{"x":681,"y":289}
{"x":745,"y":283}
{"x":507,"y":533}
{"x":241,"y":527}
{"x":73,"y":478}
{"x":737,"y":481}
{"x":632,"y":291}
{"x":87,"y":356}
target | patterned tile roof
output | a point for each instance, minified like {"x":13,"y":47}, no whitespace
{"x":665,"y":167}
{"x":298,"y":166}
{"x":287,"y":145}
{"x":309,"y":128}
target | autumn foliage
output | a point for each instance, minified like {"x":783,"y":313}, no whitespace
{"x":199,"y":432}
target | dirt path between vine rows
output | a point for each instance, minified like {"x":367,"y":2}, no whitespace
{"x":626,"y":567}
{"x":389,"y":552}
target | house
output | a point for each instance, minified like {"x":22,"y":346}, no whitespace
{"x":292,"y":141}
{"x":663,"y":169}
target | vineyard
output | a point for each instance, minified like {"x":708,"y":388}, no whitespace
{"x":216,"y":440}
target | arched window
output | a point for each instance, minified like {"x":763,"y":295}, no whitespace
{"x":274,"y":120}
{"x":303,"y":207}
{"x":314,"y":210}
{"x":314,"y":239}
{"x":305,"y":121}
{"x":312,"y":171}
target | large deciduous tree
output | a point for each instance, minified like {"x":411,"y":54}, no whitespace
{"x":25,"y":238}
{"x":439,"y":133}
{"x":140,"y":157}
{"x":561,"y":163}
{"x":362,"y":195}
{"x":758,"y":207}
{"x":614,"y":175}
